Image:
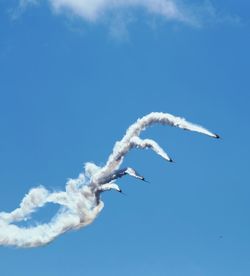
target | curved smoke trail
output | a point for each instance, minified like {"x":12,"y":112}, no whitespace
{"x":80,"y":202}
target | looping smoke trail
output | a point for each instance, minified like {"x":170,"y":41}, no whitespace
{"x":80,"y":202}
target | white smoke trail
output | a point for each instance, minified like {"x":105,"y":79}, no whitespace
{"x":80,"y":202}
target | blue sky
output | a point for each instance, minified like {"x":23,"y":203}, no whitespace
{"x":71,"y":85}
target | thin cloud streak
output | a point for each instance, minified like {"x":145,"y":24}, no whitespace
{"x":95,"y":10}
{"x":114,"y":13}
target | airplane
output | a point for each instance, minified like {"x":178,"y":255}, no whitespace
{"x":122,"y":172}
{"x":104,"y":188}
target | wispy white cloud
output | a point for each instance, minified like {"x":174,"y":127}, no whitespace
{"x":118,"y":14}
{"x":205,"y":13}
{"x":95,"y":10}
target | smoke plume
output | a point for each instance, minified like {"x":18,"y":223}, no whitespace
{"x":80,"y":202}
